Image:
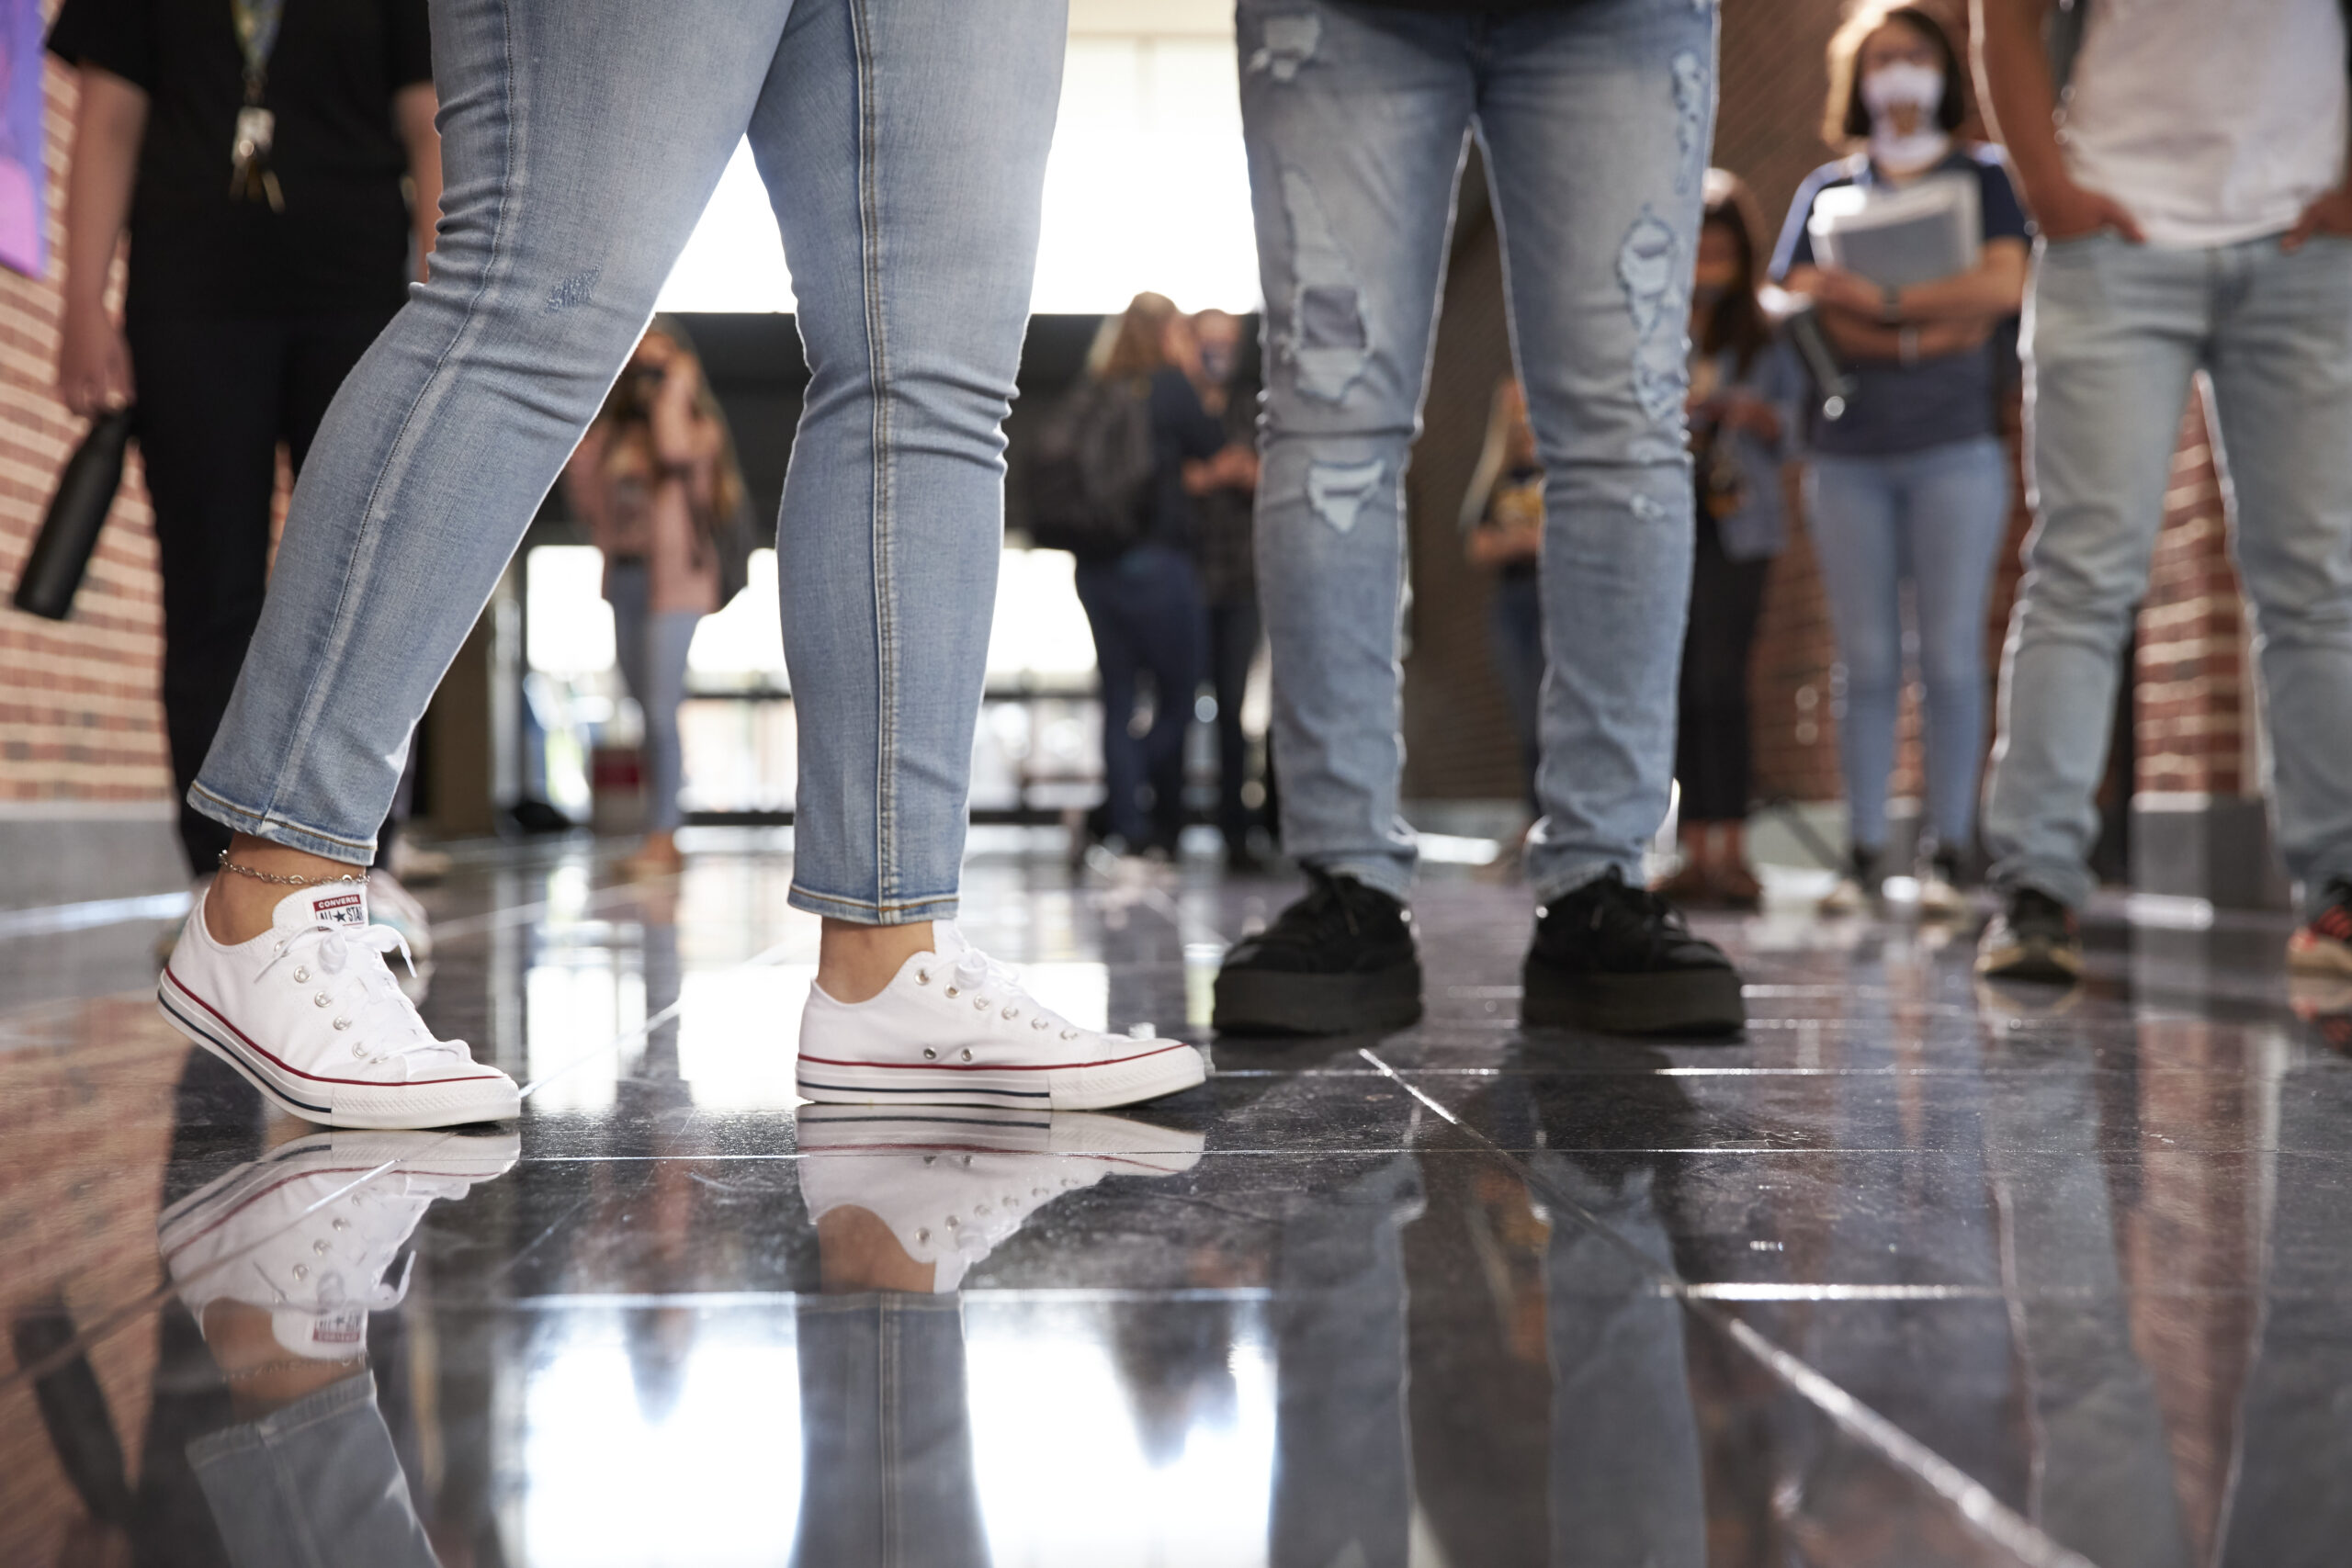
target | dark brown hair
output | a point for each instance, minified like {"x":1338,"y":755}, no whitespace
{"x":1849,"y":118}
{"x":1737,"y":320}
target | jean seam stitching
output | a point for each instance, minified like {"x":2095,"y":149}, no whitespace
{"x":265,"y":818}
{"x":883,"y":500}
{"x":368,"y":533}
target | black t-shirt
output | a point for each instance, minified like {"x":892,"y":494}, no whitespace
{"x":342,"y":244}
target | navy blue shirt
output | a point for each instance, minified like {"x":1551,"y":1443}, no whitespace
{"x":1899,"y":408}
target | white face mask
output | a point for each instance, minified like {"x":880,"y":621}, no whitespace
{"x":1905,"y":85}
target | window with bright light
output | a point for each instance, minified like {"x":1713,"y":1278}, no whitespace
{"x":1146,"y":187}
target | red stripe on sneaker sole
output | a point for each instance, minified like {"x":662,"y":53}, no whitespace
{"x":181,"y":986}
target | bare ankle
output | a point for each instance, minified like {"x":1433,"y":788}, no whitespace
{"x":240,"y":909}
{"x":854,"y":962}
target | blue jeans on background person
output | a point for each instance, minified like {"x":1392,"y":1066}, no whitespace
{"x":651,"y":650}
{"x":1595,"y":122}
{"x":1515,"y":643}
{"x":1934,"y":519}
{"x":1145,"y":608}
{"x":2114,"y":334}
{"x":904,"y":150}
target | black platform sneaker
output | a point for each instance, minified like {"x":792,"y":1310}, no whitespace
{"x":1338,"y":961}
{"x":1620,"y":960}
{"x":2034,"y":937}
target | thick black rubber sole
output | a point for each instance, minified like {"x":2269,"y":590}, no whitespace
{"x":1686,"y":1001}
{"x":1275,"y":1001}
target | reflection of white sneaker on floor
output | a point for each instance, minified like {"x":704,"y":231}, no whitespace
{"x":1940,"y":898}
{"x":954,"y":1028}
{"x":393,"y":904}
{"x":309,"y":1013}
{"x":954,"y":1183}
{"x":308,"y":1232}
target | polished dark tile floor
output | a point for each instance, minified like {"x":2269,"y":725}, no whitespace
{"x":1914,"y":1274}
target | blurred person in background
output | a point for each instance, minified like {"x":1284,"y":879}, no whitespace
{"x":1502,"y":522}
{"x":2194,"y":217}
{"x":1224,"y":492}
{"x":1742,"y":402}
{"x":1144,"y":603}
{"x":247,"y":300}
{"x":655,"y":479}
{"x":1356,"y":118}
{"x":1909,"y":487}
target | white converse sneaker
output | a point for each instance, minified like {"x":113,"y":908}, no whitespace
{"x":954,"y":1028}
{"x":952,"y":1184}
{"x":308,"y":1232}
{"x":309,"y":1014}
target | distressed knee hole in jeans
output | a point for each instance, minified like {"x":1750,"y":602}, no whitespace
{"x":1338,"y":492}
{"x":1287,"y":43}
{"x":573,"y":291}
{"x":1649,"y":264}
{"x":1325,"y":343}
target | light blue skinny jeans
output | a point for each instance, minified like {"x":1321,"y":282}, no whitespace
{"x":2114,"y":333}
{"x":1934,"y":519}
{"x":1595,"y":121}
{"x":904,"y":148}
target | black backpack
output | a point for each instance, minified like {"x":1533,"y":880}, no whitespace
{"x":1090,"y":469}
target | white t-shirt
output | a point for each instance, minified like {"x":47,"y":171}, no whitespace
{"x":2212,"y":120}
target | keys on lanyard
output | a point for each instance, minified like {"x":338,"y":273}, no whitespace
{"x":250,"y":176}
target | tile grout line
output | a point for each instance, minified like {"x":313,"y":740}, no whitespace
{"x":1975,"y":1503}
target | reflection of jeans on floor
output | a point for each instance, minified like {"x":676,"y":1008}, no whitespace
{"x":1357,"y":119}
{"x":1343,"y":1474}
{"x":1145,"y":608}
{"x":904,"y":150}
{"x":314,"y":1484}
{"x":1515,"y":641}
{"x":1934,"y":519}
{"x":887,"y":1436}
{"x":2115,"y":333}
{"x":1626,"y":1482}
{"x":2103,"y":1480}
{"x":652,"y":652}
{"x":1234,"y":631}
{"x":2289,"y":1507}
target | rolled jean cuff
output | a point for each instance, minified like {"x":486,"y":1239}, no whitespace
{"x":278,"y":830}
{"x":867,"y":912}
{"x":1560,"y":884}
{"x":1380,"y":875}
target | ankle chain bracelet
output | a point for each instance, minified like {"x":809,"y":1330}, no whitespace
{"x":228,"y":865}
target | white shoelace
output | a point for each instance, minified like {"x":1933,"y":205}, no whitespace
{"x":386,"y":1025}
{"x":975,"y":971}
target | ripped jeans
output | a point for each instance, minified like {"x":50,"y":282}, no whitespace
{"x":1595,"y":122}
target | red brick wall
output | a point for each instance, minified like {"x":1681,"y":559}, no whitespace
{"x":78,"y":713}
{"x":2190,"y":723}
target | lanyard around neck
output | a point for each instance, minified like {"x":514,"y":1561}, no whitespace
{"x":256,"y":36}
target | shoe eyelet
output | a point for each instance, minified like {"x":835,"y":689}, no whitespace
{"x":301,"y":1271}
{"x":967,"y":1055}
{"x":301,"y":976}
{"x":1070,"y":1033}
{"x":360,"y":1049}
{"x":952,"y":1223}
{"x":953,"y":991}
{"x":321,"y":999}
{"x":924,"y":1235}
{"x":981,"y":1004}
{"x":342,"y":1023}
{"x":922,"y":977}
{"x":1039,"y":1023}
{"x":1012,"y":1012}
{"x":929,"y":1055}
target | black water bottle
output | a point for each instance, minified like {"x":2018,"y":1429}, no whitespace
{"x":61,"y":552}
